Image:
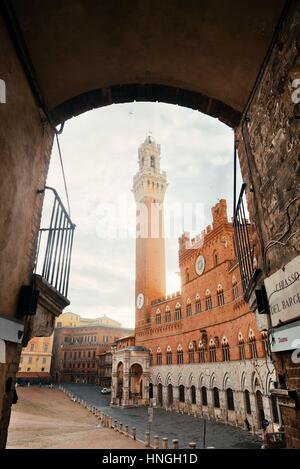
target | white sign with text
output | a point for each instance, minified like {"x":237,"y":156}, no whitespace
{"x":283,"y":290}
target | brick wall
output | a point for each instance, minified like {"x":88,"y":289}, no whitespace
{"x":269,"y":148}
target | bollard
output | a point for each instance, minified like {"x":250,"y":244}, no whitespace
{"x":116,"y":425}
{"x":175,"y":444}
{"x":192,"y":445}
{"x":147,"y":439}
{"x":121,"y":428}
{"x":126,"y":430}
{"x":155,"y":442}
{"x":106,"y":421}
{"x":165,"y":443}
{"x":134,"y":433}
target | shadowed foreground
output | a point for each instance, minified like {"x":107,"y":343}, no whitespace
{"x":46,"y":418}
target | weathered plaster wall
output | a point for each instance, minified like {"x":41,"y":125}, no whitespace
{"x":25,"y":145}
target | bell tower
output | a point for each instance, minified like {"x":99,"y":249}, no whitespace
{"x":149,"y":187}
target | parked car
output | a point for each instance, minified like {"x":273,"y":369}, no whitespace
{"x":105,"y":391}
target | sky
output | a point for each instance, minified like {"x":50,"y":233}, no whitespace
{"x":99,"y":150}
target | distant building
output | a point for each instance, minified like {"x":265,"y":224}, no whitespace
{"x":35,"y":362}
{"x":75,"y":320}
{"x":80,"y":346}
{"x":104,"y":369}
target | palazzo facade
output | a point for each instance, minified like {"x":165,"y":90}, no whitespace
{"x":199,"y":350}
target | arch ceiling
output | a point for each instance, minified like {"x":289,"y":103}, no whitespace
{"x":204,"y":54}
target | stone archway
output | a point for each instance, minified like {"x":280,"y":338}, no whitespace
{"x":150,"y":391}
{"x":159,"y":395}
{"x":136,"y":381}
{"x":260,"y":408}
{"x":170,"y":395}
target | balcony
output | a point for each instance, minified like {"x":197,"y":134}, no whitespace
{"x":46,"y":297}
{"x":243,"y":245}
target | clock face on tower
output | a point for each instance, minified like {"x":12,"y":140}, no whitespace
{"x":200,"y":265}
{"x":140,"y":301}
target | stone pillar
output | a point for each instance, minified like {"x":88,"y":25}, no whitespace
{"x":255,"y":424}
{"x":268,"y":411}
{"x":165,"y":396}
{"x":114,"y":387}
{"x":125,"y":399}
{"x":198,"y":400}
{"x":223,"y":405}
{"x":176,"y":397}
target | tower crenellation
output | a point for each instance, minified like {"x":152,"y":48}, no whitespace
{"x":149,"y":182}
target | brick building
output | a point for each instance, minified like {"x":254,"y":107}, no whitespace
{"x":78,"y":349}
{"x":35,"y":361}
{"x":198,"y":350}
{"x":104,"y":369}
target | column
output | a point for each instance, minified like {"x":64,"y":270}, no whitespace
{"x":165,"y":397}
{"x":125,"y":399}
{"x":176,"y":397}
{"x":114,"y":386}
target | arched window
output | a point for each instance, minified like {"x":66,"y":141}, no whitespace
{"x":159,"y":357}
{"x":169,"y":355}
{"x":193,"y":394}
{"x":265,"y":342}
{"x":247,"y":402}
{"x":177,"y":312}
{"x":179,"y":355}
{"x":204,"y":395}
{"x":201,"y":353}
{"x":215,"y":258}
{"x":189,"y":311}
{"x":230,"y":399}
{"x":208,"y":301}
{"x":225,"y":350}
{"x":150,"y":358}
{"x":212,"y":352}
{"x":216,"y":398}
{"x":242,"y":350}
{"x":252,"y":343}
{"x":191,"y":353}
{"x":198,"y":304}
{"x":187,"y":275}
{"x":220,"y":295}
{"x":168,"y":314}
{"x":235,"y":289}
{"x":158,"y":317}
{"x":181,"y":393}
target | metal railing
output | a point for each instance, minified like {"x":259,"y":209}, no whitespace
{"x":55,"y":266}
{"x":243,"y":249}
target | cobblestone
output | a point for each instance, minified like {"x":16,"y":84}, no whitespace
{"x":172,"y":425}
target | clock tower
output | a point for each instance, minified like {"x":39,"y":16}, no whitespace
{"x":149,"y":187}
